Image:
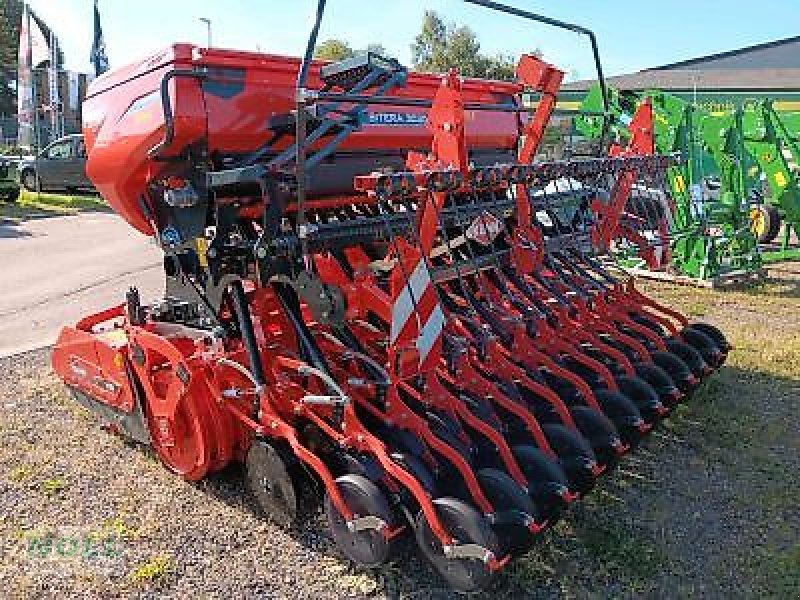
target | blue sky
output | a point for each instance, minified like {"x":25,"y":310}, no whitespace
{"x":632,"y":34}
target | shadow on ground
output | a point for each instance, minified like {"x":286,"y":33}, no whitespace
{"x":705,"y":508}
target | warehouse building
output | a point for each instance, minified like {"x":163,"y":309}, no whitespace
{"x":718,"y":81}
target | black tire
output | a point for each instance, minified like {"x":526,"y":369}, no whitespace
{"x":510,"y":502}
{"x":417,"y":468}
{"x":704,"y":345}
{"x":765,"y":221}
{"x":676,"y":368}
{"x":12,"y":196}
{"x":369,"y":547}
{"x":574,"y":454}
{"x":546,"y":480}
{"x":599,"y":431}
{"x":693,"y":359}
{"x":468,"y":526}
{"x":623,"y":413}
{"x":714,"y":333}
{"x":30,"y":181}
{"x":660,"y":380}
{"x":648,"y":322}
{"x":643,"y":395}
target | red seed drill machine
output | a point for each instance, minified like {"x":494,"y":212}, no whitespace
{"x":375,"y":298}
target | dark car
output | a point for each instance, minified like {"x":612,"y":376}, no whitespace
{"x":60,"y":166}
{"x":9,"y":180}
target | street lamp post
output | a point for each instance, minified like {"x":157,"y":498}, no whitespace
{"x":208,"y":29}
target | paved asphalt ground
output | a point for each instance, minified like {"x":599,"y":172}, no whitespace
{"x":55,"y":270}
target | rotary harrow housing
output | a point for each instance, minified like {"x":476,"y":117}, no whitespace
{"x":376,"y":298}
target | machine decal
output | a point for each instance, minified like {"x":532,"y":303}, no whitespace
{"x":396,"y":118}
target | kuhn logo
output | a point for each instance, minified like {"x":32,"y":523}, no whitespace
{"x":484,"y":229}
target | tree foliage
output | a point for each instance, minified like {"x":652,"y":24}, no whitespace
{"x":441,"y":46}
{"x":334,"y":49}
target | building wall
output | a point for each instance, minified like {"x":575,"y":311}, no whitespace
{"x":72,"y":114}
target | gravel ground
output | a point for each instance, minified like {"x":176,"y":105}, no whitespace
{"x":706,"y":508}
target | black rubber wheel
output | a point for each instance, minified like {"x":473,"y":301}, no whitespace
{"x":659,"y":379}
{"x":693,"y":359}
{"x":467,"y":526}
{"x":623,"y":413}
{"x":643,"y":395}
{"x":417,"y":468}
{"x":402,"y":438}
{"x":704,"y":345}
{"x":448,"y":437}
{"x":30,"y":181}
{"x":513,"y":508}
{"x":547,"y":481}
{"x":714,"y":333}
{"x":367,"y":547}
{"x":600,"y":432}
{"x":765,"y":221}
{"x":574,"y":454}
{"x":647,"y":321}
{"x":676,"y":368}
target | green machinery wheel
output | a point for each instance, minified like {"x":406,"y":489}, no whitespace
{"x":765,"y":221}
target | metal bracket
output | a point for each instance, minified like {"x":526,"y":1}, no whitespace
{"x":325,"y":400}
{"x":473,"y":551}
{"x":368,"y":523}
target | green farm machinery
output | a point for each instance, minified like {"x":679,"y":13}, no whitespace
{"x":734,"y":189}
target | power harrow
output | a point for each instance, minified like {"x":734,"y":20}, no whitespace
{"x":427,"y":341}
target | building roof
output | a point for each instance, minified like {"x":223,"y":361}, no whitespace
{"x":693,"y":62}
{"x":701,"y":79}
{"x":771,"y":66}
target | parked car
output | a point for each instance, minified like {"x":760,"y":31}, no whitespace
{"x":60,"y":166}
{"x":9,"y":180}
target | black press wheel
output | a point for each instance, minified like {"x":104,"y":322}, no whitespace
{"x":600,"y":432}
{"x":270,"y":481}
{"x":714,"y":333}
{"x":547,"y":482}
{"x":575,"y":456}
{"x":514,"y":509}
{"x":624,"y":414}
{"x":467,"y":526}
{"x":643,"y":396}
{"x":676,"y":368}
{"x":367,"y":546}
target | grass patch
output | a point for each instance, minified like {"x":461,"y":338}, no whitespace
{"x":696,"y":308}
{"x":33,"y":205}
{"x":622,"y":550}
{"x":155,"y":568}
{"x":21,"y":473}
{"x":118,"y":527}
{"x":779,"y":571}
{"x":51,"y":487}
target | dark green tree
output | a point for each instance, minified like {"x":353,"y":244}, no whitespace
{"x":441,"y":46}
{"x":334,"y":49}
